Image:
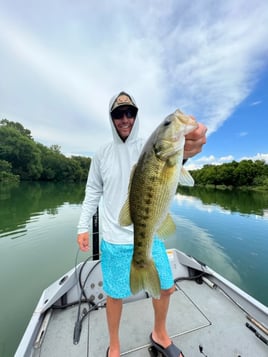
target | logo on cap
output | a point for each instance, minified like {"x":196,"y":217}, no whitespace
{"x":123,"y":99}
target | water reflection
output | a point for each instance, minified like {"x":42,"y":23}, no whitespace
{"x":211,"y":226}
{"x":230,"y":237}
{"x":234,"y":244}
{"x":199,"y":243}
{"x":38,"y":230}
{"x":26,"y":202}
{"x":245,"y":202}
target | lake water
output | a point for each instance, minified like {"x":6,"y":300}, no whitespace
{"x":226,"y":230}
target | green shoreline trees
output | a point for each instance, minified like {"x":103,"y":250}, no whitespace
{"x":246,"y":173}
{"x":21,"y":158}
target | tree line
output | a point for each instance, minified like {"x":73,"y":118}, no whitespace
{"x":246,"y":173}
{"x":22,"y":158}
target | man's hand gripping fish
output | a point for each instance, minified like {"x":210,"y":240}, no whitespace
{"x":153,"y":183}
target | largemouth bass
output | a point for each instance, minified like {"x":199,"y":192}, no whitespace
{"x":153,"y":183}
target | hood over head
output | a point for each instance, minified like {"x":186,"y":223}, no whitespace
{"x":119,"y":100}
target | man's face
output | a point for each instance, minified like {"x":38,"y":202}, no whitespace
{"x":123,"y":119}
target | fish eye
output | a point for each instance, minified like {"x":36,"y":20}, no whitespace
{"x":167,"y":122}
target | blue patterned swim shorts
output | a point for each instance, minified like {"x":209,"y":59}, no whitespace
{"x":116,"y":261}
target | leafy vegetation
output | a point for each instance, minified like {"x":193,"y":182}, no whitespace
{"x":5,"y":172}
{"x":246,"y":173}
{"x":21,"y":158}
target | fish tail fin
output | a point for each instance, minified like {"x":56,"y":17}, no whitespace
{"x":145,"y":278}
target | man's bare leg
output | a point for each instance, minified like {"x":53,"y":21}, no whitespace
{"x":161,"y":306}
{"x":113,"y":314}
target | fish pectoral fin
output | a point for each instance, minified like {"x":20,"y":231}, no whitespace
{"x":124,"y":216}
{"x":185,"y":178}
{"x":167,"y":228}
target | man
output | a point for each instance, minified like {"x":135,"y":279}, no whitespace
{"x":108,"y":179}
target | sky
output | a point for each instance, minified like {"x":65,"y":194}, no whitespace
{"x":62,"y":61}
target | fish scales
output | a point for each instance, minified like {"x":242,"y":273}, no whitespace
{"x":150,"y":208}
{"x":152,"y":186}
{"x":154,"y":201}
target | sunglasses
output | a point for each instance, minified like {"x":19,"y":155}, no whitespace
{"x":119,"y":113}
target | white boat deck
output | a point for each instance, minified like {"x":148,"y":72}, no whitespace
{"x":198,"y":315}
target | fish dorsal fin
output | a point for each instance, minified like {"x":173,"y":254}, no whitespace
{"x":124,"y":216}
{"x":167,"y":228}
{"x":185,"y":178}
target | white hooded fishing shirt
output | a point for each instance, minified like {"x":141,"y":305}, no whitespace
{"x":108,"y":179}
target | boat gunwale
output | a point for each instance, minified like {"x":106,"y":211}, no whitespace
{"x":69,"y":281}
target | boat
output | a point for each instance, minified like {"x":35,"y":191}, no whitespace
{"x":209,"y":316}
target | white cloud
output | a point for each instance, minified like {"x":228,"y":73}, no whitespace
{"x":211,"y":160}
{"x":194,"y":164}
{"x":258,"y":156}
{"x":62,"y":62}
{"x":257,"y":102}
{"x":228,"y":158}
{"x":243,"y":133}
